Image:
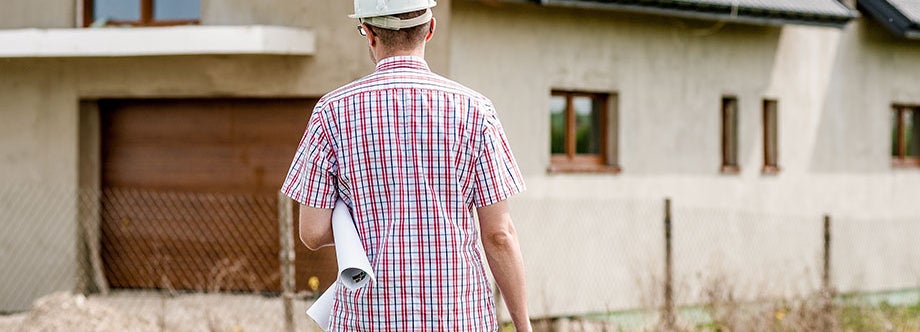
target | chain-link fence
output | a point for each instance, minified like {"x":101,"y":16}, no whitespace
{"x":154,"y":259}
{"x":166,"y":260}
{"x":611,"y":265}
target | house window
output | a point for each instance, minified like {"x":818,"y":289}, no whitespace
{"x":770,"y":137}
{"x":730,"y":135}
{"x":582,"y":137}
{"x":141,"y":12}
{"x":905,"y":136}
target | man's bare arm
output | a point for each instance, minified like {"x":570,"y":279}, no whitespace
{"x":316,"y":227}
{"x":499,"y":239}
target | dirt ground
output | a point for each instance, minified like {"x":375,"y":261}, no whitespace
{"x":153,"y":311}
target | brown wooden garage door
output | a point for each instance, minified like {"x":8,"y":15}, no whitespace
{"x":190,"y":193}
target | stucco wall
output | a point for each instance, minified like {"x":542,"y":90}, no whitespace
{"x":37,"y":198}
{"x":38,"y":14}
{"x":40,"y":112}
{"x":873,"y":69}
{"x":851,"y":143}
{"x":763,"y":232}
{"x":341,"y":50}
{"x":342,"y":53}
{"x":834,"y":87}
{"x":40,"y":154}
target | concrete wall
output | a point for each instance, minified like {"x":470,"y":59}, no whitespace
{"x":871,"y":71}
{"x":38,"y":155}
{"x":45,"y":148}
{"x":341,"y":52}
{"x":340,"y":47}
{"x":17,"y":14}
{"x":592,"y":242}
{"x":336,"y":32}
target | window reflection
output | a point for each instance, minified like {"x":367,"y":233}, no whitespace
{"x":116,"y":10}
{"x":587,"y":133}
{"x":912,"y":131}
{"x":557,"y":124}
{"x":895,"y":134}
{"x":167,"y":10}
{"x":578,"y":125}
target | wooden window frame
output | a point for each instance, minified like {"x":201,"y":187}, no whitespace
{"x":146,"y":17}
{"x":902,"y":160}
{"x":770,"y":137}
{"x":571,"y":162}
{"x":730,"y":164}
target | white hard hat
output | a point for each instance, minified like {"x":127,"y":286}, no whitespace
{"x":374,"y":8}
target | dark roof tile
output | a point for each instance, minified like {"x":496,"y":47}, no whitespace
{"x":812,"y":12}
{"x":910,"y":9}
{"x":901,"y":17}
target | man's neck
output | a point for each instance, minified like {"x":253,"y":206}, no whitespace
{"x":383,"y":54}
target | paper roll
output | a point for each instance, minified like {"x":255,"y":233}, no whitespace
{"x":354,"y":268}
{"x":322,"y":308}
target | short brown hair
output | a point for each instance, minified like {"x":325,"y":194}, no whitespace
{"x":403,"y":39}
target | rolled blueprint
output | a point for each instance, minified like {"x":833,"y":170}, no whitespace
{"x":354,"y":268}
{"x":322,"y":308}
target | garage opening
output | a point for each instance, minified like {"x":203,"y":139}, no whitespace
{"x":189,"y":194}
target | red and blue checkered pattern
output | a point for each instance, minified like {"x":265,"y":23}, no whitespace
{"x":411,"y":153}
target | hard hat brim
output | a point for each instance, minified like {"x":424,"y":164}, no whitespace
{"x":391,"y":12}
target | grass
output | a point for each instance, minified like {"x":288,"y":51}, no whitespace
{"x":850,"y":313}
{"x":856,"y":315}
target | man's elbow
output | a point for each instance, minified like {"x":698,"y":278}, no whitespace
{"x":312,"y":242}
{"x":315,"y":227}
{"x":501,"y":239}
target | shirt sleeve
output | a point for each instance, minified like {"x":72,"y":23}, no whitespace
{"x":497,"y":176}
{"x":311,"y":180}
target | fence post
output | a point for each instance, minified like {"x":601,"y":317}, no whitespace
{"x":90,"y":215}
{"x":286,"y":229}
{"x":827,"y":291}
{"x":667,"y":313}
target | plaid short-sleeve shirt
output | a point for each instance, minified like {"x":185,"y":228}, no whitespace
{"x":411,"y":153}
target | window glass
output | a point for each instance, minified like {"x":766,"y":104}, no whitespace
{"x":557,"y":124}
{"x":587,"y":122}
{"x":729,"y":131}
{"x":117,"y":10}
{"x":895,"y":134}
{"x":912,"y":132}
{"x":169,"y":10}
{"x":580,"y":127}
{"x":770,"y":136}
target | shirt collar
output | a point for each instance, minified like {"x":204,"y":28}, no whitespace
{"x":402,"y":62}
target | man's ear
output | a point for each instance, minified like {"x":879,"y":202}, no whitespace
{"x":371,"y":41}
{"x":431,"y":28}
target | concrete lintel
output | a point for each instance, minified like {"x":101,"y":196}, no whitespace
{"x":156,"y":41}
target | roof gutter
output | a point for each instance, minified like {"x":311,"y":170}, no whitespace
{"x":719,"y":13}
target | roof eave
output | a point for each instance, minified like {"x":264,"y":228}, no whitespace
{"x":891,"y":18}
{"x":776,"y":18}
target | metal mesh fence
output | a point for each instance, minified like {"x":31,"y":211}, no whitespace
{"x":131,"y":259}
{"x":189,"y":241}
{"x":140,"y":259}
{"x":610,"y":265}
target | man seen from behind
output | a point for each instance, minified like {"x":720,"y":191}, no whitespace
{"x":412,"y":153}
